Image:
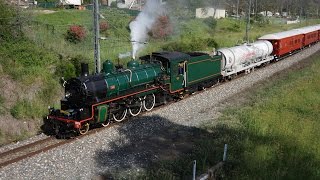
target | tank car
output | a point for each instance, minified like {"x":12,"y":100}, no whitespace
{"x":244,"y":57}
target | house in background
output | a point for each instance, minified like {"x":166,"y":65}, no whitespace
{"x":71,"y":2}
{"x":217,"y":13}
{"x":133,"y":4}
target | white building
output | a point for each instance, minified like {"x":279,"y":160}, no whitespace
{"x":133,"y":3}
{"x":217,"y":13}
{"x":71,"y":2}
{"x":266,"y":13}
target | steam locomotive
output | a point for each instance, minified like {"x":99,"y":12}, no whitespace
{"x":117,"y":93}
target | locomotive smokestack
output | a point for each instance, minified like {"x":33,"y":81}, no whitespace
{"x":84,"y":69}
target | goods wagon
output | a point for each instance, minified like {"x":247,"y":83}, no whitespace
{"x":284,"y":42}
{"x":311,"y":35}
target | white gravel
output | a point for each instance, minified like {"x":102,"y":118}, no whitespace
{"x":131,"y":146}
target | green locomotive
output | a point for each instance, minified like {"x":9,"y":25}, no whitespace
{"x":115,"y":93}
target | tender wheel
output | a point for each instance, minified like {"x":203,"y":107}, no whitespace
{"x":120,"y":114}
{"x":84,"y":129}
{"x":136,"y":107}
{"x":106,"y":123}
{"x":149,"y":102}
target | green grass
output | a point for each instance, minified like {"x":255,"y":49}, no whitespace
{"x":2,"y":108}
{"x":52,"y":27}
{"x":33,"y":68}
{"x":273,"y":135}
{"x":227,"y":32}
{"x":282,"y":129}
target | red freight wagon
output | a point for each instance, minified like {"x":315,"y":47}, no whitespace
{"x":318,"y":27}
{"x":285,"y":42}
{"x":311,"y":35}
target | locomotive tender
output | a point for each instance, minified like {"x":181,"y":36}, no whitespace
{"x":116,"y":93}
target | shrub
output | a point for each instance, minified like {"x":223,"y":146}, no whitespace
{"x":7,"y":17}
{"x":114,"y":4}
{"x":70,"y":67}
{"x":66,"y":69}
{"x":75,"y":34}
{"x":26,"y":109}
{"x":234,"y":28}
{"x":211,"y":23}
{"x":104,"y":26}
{"x":2,"y":109}
{"x":162,"y":28}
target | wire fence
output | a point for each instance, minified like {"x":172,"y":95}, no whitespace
{"x":53,"y":38}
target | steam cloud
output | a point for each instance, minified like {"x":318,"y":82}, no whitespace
{"x":143,"y":24}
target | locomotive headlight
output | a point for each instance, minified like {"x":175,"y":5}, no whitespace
{"x":68,"y":94}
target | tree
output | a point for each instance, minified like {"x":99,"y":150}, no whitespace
{"x":7,"y":18}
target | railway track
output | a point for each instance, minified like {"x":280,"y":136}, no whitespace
{"x":29,"y":150}
{"x":38,"y":147}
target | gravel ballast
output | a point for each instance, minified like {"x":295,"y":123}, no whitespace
{"x":131,"y":146}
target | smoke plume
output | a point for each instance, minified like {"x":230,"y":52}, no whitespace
{"x":143,"y":24}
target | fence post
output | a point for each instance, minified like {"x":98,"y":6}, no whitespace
{"x":225,"y":153}
{"x":194,"y":169}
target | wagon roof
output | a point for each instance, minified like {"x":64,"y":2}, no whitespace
{"x":309,"y":29}
{"x":317,"y":27}
{"x":281,"y":35}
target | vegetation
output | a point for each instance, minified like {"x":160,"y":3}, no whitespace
{"x":75,"y":34}
{"x":8,"y":16}
{"x":294,"y":8}
{"x":274,"y":135}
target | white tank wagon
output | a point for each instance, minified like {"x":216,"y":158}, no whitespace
{"x":245,"y":57}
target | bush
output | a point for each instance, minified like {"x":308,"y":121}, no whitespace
{"x":211,"y":23}
{"x":103,"y":26}
{"x":70,"y":67}
{"x":7,"y":17}
{"x":162,"y":28}
{"x":75,"y":34}
{"x":66,"y":69}
{"x":2,"y":109}
{"x":234,"y":28}
{"x":25,"y":109}
{"x":114,"y":4}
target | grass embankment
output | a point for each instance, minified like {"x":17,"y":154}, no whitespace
{"x":273,"y":135}
{"x":28,"y":84}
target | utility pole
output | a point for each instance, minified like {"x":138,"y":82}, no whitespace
{"x":248,"y":22}
{"x":237,"y":9}
{"x":96,"y":36}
